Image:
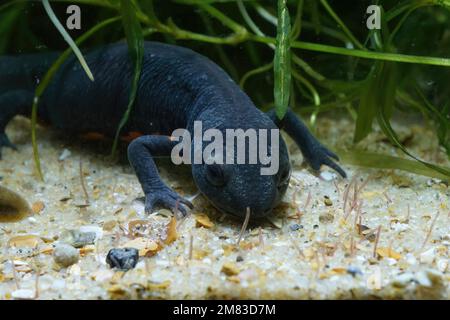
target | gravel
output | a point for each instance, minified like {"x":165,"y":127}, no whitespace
{"x":328,"y":259}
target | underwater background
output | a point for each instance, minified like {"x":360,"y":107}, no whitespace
{"x":379,"y":97}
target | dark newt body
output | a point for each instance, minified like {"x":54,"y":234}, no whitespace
{"x":177,"y":87}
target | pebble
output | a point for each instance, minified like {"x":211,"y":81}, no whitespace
{"x":122,"y":258}
{"x":32,"y":220}
{"x":295,"y":227}
{"x":65,"y":154}
{"x":326,"y":218}
{"x":410,"y":259}
{"x":102,"y":275}
{"x":109,"y":225}
{"x":65,"y":255}
{"x":95,"y":229}
{"x":399,"y":227}
{"x":77,"y":238}
{"x":374,"y":281}
{"x":23,"y":294}
{"x":427,"y":256}
{"x":403,"y":280}
{"x":229,"y":269}
{"x":276,"y":221}
{"x":327,"y":201}
{"x":423,"y":279}
{"x":442,"y":265}
{"x":165,"y":212}
{"x":58,"y":284}
{"x":431,"y":182}
{"x":354,"y":271}
{"x":328,"y":176}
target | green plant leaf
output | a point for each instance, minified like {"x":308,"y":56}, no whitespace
{"x":7,"y":21}
{"x":135,"y":40}
{"x":441,"y":119}
{"x":381,"y":161}
{"x":382,"y":78}
{"x":254,"y":72}
{"x":43,"y":84}
{"x":282,"y":61}
{"x":383,"y":120}
{"x":342,"y":25}
{"x":367,"y":106}
{"x":67,"y":38}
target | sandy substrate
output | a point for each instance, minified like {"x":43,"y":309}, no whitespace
{"x":392,"y":240}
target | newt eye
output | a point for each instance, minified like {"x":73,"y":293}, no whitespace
{"x":215,"y":175}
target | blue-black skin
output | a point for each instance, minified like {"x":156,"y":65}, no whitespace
{"x":177,"y":87}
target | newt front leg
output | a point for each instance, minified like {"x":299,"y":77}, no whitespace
{"x":313,"y":151}
{"x":157,"y":193}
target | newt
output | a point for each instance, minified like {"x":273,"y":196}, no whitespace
{"x":177,"y":87}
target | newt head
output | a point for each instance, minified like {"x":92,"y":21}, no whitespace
{"x":232,"y":187}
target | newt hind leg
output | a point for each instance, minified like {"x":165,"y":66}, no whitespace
{"x":11,"y":104}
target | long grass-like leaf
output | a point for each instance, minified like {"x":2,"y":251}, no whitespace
{"x":227,"y":63}
{"x":390,"y":133}
{"x":297,"y":26}
{"x":381,"y":161}
{"x":254,"y":72}
{"x":383,"y":77}
{"x":342,"y":25}
{"x":7,"y":21}
{"x":43,"y":84}
{"x":11,"y":3}
{"x":135,"y":40}
{"x":308,"y":85}
{"x":282,"y":60}
{"x":66,"y":36}
{"x":366,"y":54}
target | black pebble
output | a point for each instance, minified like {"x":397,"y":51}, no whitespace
{"x":239,"y":259}
{"x":295,"y":227}
{"x":122,"y":258}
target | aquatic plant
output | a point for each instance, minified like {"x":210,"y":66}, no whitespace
{"x":316,"y":56}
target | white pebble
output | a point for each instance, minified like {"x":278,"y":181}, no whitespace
{"x":399,"y":227}
{"x":442,"y":265}
{"x":139,"y":208}
{"x":328,"y":176}
{"x":32,"y":220}
{"x":427,"y":256}
{"x":23,"y":294}
{"x":218,"y":252}
{"x":65,"y":255}
{"x":411,"y":259}
{"x":65,"y":154}
{"x":391,"y":261}
{"x":404,"y":279}
{"x":59,"y":284}
{"x":374,"y":280}
{"x":97,"y":230}
{"x":423,"y":280}
{"x":103,"y":275}
{"x":162,"y":263}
